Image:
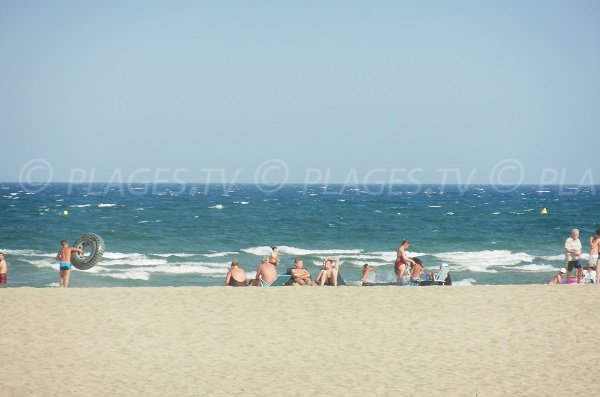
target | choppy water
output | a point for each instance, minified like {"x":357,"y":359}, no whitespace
{"x":166,"y":237}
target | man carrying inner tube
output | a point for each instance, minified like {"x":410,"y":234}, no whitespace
{"x":64,"y":263}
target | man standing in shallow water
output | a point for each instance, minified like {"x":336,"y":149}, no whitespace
{"x":63,"y":257}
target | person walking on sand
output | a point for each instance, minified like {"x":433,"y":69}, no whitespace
{"x":557,"y":280}
{"x":236,"y":276}
{"x":402,"y":260}
{"x":594,"y":249}
{"x":63,"y":257}
{"x":573,"y":254}
{"x":3,"y":270}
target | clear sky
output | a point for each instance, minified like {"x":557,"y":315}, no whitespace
{"x":105,"y":85}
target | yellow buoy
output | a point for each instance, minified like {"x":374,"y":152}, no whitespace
{"x":544,"y":211}
{"x":65,"y":212}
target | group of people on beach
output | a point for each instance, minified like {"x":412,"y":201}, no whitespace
{"x":266,"y":273}
{"x":588,"y":272}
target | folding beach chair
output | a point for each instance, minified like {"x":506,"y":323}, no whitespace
{"x":440,"y":278}
{"x":280,"y":281}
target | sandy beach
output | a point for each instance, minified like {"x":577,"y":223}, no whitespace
{"x":471,"y":341}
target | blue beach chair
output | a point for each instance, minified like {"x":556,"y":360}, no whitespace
{"x":280,"y":281}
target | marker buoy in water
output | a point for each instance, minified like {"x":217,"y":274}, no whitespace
{"x":65,"y":212}
{"x":93,"y":249}
{"x":544,"y":211}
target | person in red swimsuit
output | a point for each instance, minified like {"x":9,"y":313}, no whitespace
{"x":401,"y":261}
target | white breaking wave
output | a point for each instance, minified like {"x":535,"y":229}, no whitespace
{"x":285,"y":250}
{"x":481,"y":261}
{"x":242,"y":202}
{"x":106,"y":205}
{"x":218,"y":206}
{"x":534,"y":268}
{"x":80,"y":205}
{"x":134,"y":274}
{"x":219,"y":254}
{"x":180,"y":255}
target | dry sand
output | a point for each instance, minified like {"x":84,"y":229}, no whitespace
{"x":351,"y":341}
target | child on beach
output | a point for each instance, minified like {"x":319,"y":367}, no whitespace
{"x":365,"y":275}
{"x":3,"y":270}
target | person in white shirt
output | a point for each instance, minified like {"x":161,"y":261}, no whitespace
{"x":573,"y":254}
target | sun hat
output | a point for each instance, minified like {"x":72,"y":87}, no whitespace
{"x":563,"y":270}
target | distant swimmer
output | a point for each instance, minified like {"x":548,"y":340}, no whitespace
{"x":236,"y":276}
{"x":63,"y":257}
{"x":402,"y":260}
{"x":573,"y":254}
{"x":558,"y":279}
{"x":3,"y":270}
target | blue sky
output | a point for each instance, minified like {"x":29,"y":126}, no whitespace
{"x":336,"y":85}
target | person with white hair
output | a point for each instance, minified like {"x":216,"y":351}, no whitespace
{"x":573,"y":254}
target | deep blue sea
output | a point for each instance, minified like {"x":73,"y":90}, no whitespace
{"x":173,"y":236}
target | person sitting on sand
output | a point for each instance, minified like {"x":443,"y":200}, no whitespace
{"x":401,"y":261}
{"x":236,"y":277}
{"x":416,"y":270}
{"x":557,"y":280}
{"x":3,"y":270}
{"x":266,"y":272}
{"x":63,"y":257}
{"x":300,"y":275}
{"x":328,"y":275}
{"x":364,"y":280}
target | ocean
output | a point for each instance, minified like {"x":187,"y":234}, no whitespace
{"x":172,"y":235}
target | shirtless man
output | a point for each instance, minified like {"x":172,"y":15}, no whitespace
{"x":236,"y":276}
{"x":266,"y":271}
{"x":329,"y":272}
{"x":3,"y":270}
{"x":557,"y":280}
{"x":402,"y":260}
{"x":63,"y":257}
{"x":300,"y":275}
{"x":594,"y":248}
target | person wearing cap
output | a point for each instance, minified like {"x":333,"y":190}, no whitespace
{"x":557,"y":280}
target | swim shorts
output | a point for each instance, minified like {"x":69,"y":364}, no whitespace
{"x":593,"y":260}
{"x":573,"y":264}
{"x":3,"y":278}
{"x":398,"y":264}
{"x":65,"y":266}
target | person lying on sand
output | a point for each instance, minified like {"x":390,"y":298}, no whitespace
{"x":300,"y":275}
{"x":236,"y":277}
{"x":364,"y":280}
{"x":328,"y":275}
{"x":266,"y":271}
{"x":557,"y":280}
